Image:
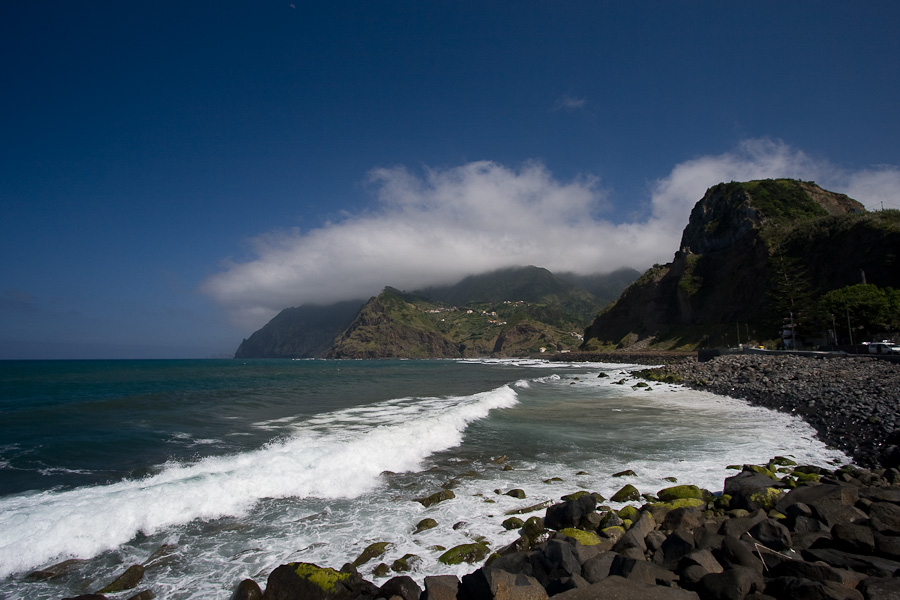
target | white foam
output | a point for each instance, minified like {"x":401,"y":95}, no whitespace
{"x":336,"y":455}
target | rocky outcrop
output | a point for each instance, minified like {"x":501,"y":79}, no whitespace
{"x":777,"y":531}
{"x":750,"y":253}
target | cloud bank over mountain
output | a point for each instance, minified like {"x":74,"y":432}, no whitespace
{"x":440,"y":225}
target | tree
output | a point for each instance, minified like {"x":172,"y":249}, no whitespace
{"x":870,"y":308}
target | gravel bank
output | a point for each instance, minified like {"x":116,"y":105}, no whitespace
{"x":853,"y":403}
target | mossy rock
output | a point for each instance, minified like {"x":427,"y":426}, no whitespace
{"x":611,"y":519}
{"x":723,"y":502}
{"x":323,"y":577}
{"x":513,"y":523}
{"x":761,"y":470}
{"x":627,"y":523}
{"x":737,"y":513}
{"x":679,"y":492}
{"x":582,"y":473}
{"x":424,"y":525}
{"x":381,"y":570}
{"x":625,"y":473}
{"x":628,"y":493}
{"x":765,"y":498}
{"x":659,"y":510}
{"x":372,"y":551}
{"x":807,"y":478}
{"x":436,"y":497}
{"x":628,"y":513}
{"x":614,"y":533}
{"x":575,"y":495}
{"x":585,"y":538}
{"x":406,"y":563}
{"x":671,"y":479}
{"x":641,"y":384}
{"x":782,"y":461}
{"x":464,"y":553}
{"x":735,"y":467}
{"x":126,"y":581}
{"x":437,"y":548}
{"x":533,"y":527}
{"x":553,"y":480}
{"x":516,"y":493}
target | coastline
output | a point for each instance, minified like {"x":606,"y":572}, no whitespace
{"x":734,"y":376}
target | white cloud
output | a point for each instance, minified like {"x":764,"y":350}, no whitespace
{"x":569,"y":103}
{"x":444,"y":224}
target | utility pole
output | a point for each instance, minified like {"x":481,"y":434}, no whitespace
{"x":849,"y":330}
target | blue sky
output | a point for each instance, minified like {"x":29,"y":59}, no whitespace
{"x":174,"y":173}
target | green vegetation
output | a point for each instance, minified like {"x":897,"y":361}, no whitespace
{"x":690,"y":282}
{"x":325,"y":578}
{"x":870,"y":308}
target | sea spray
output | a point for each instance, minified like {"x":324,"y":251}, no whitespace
{"x":337,"y":455}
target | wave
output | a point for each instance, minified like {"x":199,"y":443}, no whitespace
{"x":335,"y":455}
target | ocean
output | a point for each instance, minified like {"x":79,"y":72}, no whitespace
{"x":212,"y":471}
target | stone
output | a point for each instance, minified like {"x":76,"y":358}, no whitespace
{"x":406,"y":563}
{"x":516,"y":493}
{"x":598,"y":567}
{"x":441,"y":587}
{"x":736,"y":553}
{"x":373,"y":550}
{"x":634,"y":537}
{"x":853,"y":538}
{"x":569,"y":513}
{"x":732,"y":584}
{"x":500,"y":585}
{"x":619,"y":588}
{"x":468,"y":553}
{"x":676,"y":546}
{"x":880,"y":588}
{"x":513,"y":523}
{"x":641,"y":571}
{"x":679,"y":492}
{"x":688,"y":518}
{"x":403,"y":586}
{"x":312,"y":582}
{"x":870,"y":565}
{"x":126,"y":581}
{"x":424,"y":525}
{"x":772,"y":534}
{"x":628,"y":493}
{"x":436,"y":497}
{"x":247,"y":590}
{"x":885,"y":517}
{"x":585,"y":538}
{"x":795,"y":588}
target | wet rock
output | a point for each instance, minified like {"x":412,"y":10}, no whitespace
{"x":441,"y":587}
{"x":402,"y":586}
{"x":126,"y":581}
{"x":425,"y":524}
{"x":311,"y":582}
{"x":247,"y":590}
{"x":436,"y":497}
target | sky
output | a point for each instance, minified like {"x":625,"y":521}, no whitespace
{"x":175,"y":173}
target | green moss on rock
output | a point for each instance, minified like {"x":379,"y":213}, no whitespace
{"x":372,"y":551}
{"x":425,"y":524}
{"x":627,"y":494}
{"x":678,"y":492}
{"x":464,"y":553}
{"x":436,"y":497}
{"x":324,"y":577}
{"x":628,"y":513}
{"x":585,"y":538}
{"x":513,"y":523}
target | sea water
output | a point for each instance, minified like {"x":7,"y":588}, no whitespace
{"x":209,"y":472}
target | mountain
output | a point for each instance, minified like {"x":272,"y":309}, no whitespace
{"x":300,"y":332}
{"x":753,"y":256}
{"x":508,"y":312}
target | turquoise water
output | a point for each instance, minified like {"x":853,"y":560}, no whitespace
{"x":238,"y":466}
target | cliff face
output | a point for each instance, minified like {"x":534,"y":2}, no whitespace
{"x":748,"y":254}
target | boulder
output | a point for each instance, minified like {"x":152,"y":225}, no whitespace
{"x":126,"y":581}
{"x":494,"y":584}
{"x":441,"y":587}
{"x":570,"y":512}
{"x":733,"y":584}
{"x":634,"y":537}
{"x":619,"y":588}
{"x":372,"y":551}
{"x":628,"y":493}
{"x":795,"y":588}
{"x":436,"y":497}
{"x":403,"y":586}
{"x":312,"y":582}
{"x":247,"y":590}
{"x":772,"y":534}
{"x":464,"y":553}
{"x":424,"y":525}
{"x":679,"y":492}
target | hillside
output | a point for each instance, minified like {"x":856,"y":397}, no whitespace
{"x":753,"y":255}
{"x":510,"y":312}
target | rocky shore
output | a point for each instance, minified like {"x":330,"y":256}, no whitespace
{"x":776,"y":531}
{"x":852,"y":402}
